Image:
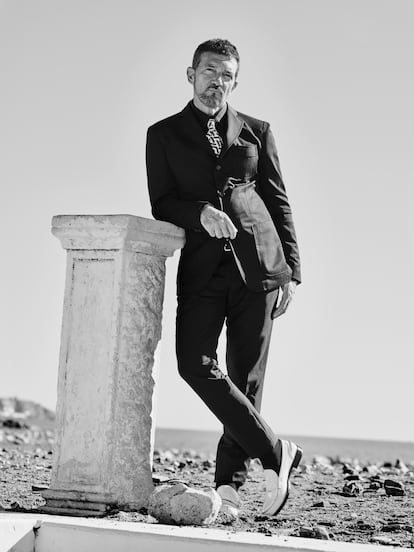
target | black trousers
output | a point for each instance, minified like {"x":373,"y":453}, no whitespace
{"x":236,"y":398}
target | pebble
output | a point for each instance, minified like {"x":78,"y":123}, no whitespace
{"x":352,"y":477}
{"x":348,"y":469}
{"x":159,"y":478}
{"x":375,"y":485}
{"x":314,"y":532}
{"x":391,"y":527}
{"x":168,"y":456}
{"x":372,"y":469}
{"x":352,"y":488}
{"x":394,"y":488}
{"x":322,"y":461}
{"x":385,"y":541}
{"x":399,"y":464}
{"x":364,"y":526}
{"x":38,"y":488}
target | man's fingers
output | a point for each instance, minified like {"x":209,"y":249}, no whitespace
{"x":219,"y":233}
{"x":232,"y":230}
{"x":223,"y":228}
{"x":217,"y":223}
{"x":281,"y":308}
{"x":285,"y":300}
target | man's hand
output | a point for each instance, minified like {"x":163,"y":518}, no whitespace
{"x":217,"y":223}
{"x":288,"y":291}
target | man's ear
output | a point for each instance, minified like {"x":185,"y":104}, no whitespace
{"x":190,"y":75}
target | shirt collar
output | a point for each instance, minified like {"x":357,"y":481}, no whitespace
{"x":204,"y":117}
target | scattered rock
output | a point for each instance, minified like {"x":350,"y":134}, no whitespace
{"x":353,"y":477}
{"x":394,"y":488}
{"x":314,"y":533}
{"x":182,"y":505}
{"x":16,"y":507}
{"x":261,"y":517}
{"x":352,"y":488}
{"x":38,"y":488}
{"x":327,"y":523}
{"x":392,"y":527}
{"x":168,"y":456}
{"x":387,"y":541}
{"x":399,"y":464}
{"x":191,"y":453}
{"x":320,"y":504}
{"x":306,"y":469}
{"x":364,"y":526}
{"x":14,"y":424}
{"x":375,"y":485}
{"x":372,"y":469}
{"x":322,"y":461}
{"x":347,"y":469}
{"x":158,"y":478}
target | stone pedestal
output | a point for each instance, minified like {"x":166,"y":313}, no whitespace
{"x":111,"y":328}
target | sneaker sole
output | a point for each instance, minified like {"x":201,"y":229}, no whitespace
{"x":295,"y":464}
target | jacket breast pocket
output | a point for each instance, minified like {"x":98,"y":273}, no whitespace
{"x":245,"y":159}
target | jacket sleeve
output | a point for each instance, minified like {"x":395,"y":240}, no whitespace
{"x":165,"y":203}
{"x":274,"y":195}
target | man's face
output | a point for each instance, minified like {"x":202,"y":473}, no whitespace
{"x":213,"y":80}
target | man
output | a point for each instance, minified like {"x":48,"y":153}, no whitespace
{"x":215,"y":172}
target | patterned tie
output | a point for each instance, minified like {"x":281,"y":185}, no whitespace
{"x":214,"y":137}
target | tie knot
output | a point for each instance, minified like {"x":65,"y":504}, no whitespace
{"x":211,"y":123}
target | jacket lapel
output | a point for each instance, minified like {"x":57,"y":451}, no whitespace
{"x":234,"y":126}
{"x":192,"y":127}
{"x":194,"y":131}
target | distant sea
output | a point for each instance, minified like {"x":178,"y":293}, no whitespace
{"x":362,"y":449}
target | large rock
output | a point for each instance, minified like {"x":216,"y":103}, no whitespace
{"x":182,"y":505}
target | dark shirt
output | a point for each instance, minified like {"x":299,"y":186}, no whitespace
{"x":220,"y":118}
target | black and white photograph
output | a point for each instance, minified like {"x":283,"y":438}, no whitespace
{"x":206,"y":281}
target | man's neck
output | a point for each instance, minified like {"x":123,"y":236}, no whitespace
{"x":211,"y":111}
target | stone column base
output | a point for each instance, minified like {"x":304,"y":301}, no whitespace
{"x":75,"y":503}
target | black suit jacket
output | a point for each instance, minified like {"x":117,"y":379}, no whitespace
{"x":245,"y":181}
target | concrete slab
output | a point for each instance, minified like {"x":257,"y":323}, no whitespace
{"x":63,"y":534}
{"x":17,"y":535}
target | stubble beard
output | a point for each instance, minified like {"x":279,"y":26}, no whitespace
{"x":212,"y":98}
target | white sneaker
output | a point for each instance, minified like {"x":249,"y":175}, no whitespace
{"x":277,"y":486}
{"x":230,"y":501}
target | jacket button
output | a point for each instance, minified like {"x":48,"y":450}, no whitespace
{"x":218,"y":167}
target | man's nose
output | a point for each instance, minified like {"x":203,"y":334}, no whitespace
{"x":218,"y":79}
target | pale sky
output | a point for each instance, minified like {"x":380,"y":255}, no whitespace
{"x":80,"y":82}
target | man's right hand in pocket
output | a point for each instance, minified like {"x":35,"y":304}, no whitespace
{"x":217,"y":223}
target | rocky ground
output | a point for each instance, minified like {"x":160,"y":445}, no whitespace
{"x":331,"y":498}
